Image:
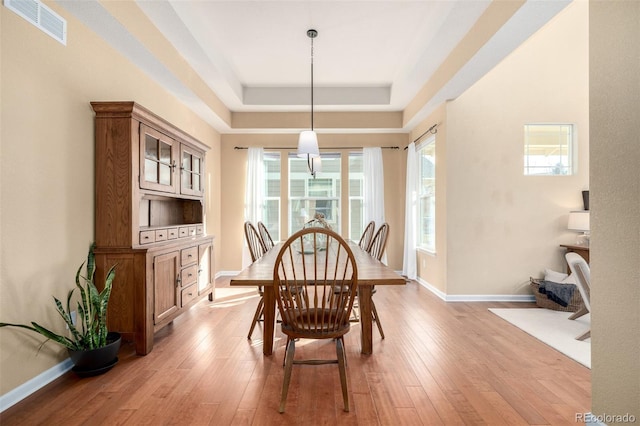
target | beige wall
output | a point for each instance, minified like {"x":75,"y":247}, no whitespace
{"x":614,"y":30}
{"x":234,"y":163}
{"x":47,"y":172}
{"x":501,"y":226}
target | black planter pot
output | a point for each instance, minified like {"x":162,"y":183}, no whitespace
{"x":96,"y":361}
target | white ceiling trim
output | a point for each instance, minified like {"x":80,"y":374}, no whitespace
{"x":451,"y":21}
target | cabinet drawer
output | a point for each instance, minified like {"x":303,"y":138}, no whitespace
{"x":189,"y":256}
{"x":199,"y":229}
{"x":192,"y":231}
{"x":189,"y":275}
{"x":147,"y":237}
{"x":183,"y":231}
{"x":188,"y":294}
{"x":161,"y":235}
{"x":172,"y":233}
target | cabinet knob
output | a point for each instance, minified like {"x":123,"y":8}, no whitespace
{"x":178,"y":281}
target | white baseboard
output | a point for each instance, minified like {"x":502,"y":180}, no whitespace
{"x":24,"y":390}
{"x":476,"y":297}
{"x":431,"y":288}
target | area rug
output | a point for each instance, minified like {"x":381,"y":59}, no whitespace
{"x":553,"y":328}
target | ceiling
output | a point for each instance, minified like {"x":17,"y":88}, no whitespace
{"x":368,"y":55}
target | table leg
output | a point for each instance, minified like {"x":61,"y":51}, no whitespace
{"x":269,"y":320}
{"x":366,"y":316}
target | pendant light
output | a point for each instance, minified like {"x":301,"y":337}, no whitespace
{"x":308,"y":140}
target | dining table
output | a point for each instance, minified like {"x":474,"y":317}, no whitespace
{"x":371,"y":272}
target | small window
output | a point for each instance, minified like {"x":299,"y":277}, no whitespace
{"x":549,"y":149}
{"x":426,"y":153}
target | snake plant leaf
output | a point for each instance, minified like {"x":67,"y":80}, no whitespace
{"x":85,"y":311}
{"x":64,"y":341}
{"x":90,"y":328}
{"x":91,"y":263}
{"x":104,"y":302}
{"x":67,"y":319}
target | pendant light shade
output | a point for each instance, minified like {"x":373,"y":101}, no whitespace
{"x":308,"y":144}
{"x":308,"y":140}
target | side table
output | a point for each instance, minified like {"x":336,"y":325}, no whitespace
{"x":582,"y":250}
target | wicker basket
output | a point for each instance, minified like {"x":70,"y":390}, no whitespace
{"x":543,"y":302}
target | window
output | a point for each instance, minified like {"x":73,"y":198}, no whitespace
{"x":271,"y":210}
{"x":426,"y":154}
{"x":308,"y":195}
{"x":549,"y":149}
{"x":356,"y":199}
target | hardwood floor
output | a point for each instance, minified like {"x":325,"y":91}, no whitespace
{"x":440,"y":364}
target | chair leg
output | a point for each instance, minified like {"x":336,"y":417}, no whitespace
{"x":288,"y":366}
{"x":376,"y":318}
{"x":580,"y":312}
{"x":584,"y":336}
{"x":256,"y":317}
{"x":286,"y":348}
{"x":342,"y":361}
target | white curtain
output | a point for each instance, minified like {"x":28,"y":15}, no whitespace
{"x":373,"y":187}
{"x":253,"y":196}
{"x":409,"y":268}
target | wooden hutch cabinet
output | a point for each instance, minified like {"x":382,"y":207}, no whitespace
{"x":149,"y":220}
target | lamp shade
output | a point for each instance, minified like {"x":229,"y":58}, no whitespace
{"x":308,"y":144}
{"x":579,"y":221}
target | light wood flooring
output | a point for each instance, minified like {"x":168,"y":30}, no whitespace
{"x":440,"y":364}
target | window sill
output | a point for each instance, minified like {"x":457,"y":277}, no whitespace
{"x":426,"y":251}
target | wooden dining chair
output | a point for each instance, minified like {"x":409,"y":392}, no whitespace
{"x":309,"y":265}
{"x":257,"y":249}
{"x":376,"y":249}
{"x":266,"y":237}
{"x":367,"y":234}
{"x":580,"y":269}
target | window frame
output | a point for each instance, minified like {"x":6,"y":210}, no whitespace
{"x":558,"y":169}
{"x":424,"y":196}
{"x":336,"y":187}
{"x":274,"y":232}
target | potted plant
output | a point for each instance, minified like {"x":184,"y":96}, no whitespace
{"x":91,"y":347}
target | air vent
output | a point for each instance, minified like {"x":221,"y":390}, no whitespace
{"x":41,"y":16}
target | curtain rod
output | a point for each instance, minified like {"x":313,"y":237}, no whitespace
{"x":338,"y":147}
{"x":431,"y":130}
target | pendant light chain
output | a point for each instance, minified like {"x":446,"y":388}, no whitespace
{"x":312,"y":82}
{"x":308,"y":140}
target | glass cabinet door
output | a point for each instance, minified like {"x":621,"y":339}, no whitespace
{"x":192,"y":172}
{"x":157,"y":160}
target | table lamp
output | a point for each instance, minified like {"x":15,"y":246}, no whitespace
{"x":579,"y":221}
